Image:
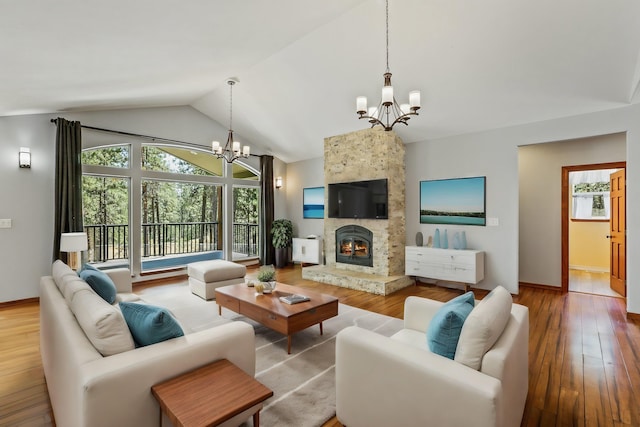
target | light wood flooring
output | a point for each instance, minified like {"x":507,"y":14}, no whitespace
{"x":591,"y":282}
{"x":584,"y":355}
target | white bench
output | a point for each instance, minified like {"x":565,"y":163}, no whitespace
{"x":205,"y":276}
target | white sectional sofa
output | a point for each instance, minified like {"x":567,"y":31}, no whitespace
{"x":88,"y":389}
{"x":384,"y":381}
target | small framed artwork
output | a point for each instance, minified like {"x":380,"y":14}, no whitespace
{"x":313,"y":202}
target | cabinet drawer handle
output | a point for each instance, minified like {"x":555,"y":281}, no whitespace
{"x":272,"y":317}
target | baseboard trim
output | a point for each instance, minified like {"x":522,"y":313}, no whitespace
{"x":539,"y":286}
{"x":633,"y":316}
{"x":8,"y":304}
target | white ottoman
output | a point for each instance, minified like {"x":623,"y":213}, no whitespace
{"x":205,"y":276}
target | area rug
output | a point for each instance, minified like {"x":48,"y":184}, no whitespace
{"x":303,"y":382}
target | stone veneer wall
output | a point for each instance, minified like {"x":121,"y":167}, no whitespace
{"x":360,"y":156}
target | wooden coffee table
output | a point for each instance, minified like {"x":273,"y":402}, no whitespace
{"x":268,"y":310}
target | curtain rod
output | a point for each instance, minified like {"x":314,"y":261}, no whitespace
{"x":153,"y":138}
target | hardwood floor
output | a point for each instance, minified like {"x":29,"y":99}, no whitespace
{"x":584,"y":355}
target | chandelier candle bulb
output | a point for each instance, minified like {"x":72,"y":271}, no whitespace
{"x":236,"y":147}
{"x":361,"y":104}
{"x":246,"y":151}
{"x":414,"y":99}
{"x":215,"y":145}
{"x":387,"y":95}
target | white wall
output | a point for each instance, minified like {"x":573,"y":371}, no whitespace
{"x":482,"y":155}
{"x":540,"y":178}
{"x":496,"y":151}
{"x":305,"y":174}
{"x":26,"y":196}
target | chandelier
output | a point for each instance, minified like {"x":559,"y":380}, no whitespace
{"x":388,"y":112}
{"x":231,"y":150}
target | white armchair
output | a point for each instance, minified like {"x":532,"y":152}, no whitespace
{"x":383,"y":381}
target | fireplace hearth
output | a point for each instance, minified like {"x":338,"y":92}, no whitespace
{"x":354,"y":245}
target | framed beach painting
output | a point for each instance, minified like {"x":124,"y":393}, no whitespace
{"x":458,"y":201}
{"x":313,"y":202}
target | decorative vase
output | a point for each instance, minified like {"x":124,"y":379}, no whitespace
{"x":436,"y":239}
{"x":268,"y":287}
{"x":445,"y":240}
{"x":418,"y":239}
{"x":456,"y":240}
{"x":463,"y":240}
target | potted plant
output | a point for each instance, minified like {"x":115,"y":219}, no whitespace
{"x":282,"y":233}
{"x":266,"y":277}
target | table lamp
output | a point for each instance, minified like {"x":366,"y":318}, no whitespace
{"x":73,"y":243}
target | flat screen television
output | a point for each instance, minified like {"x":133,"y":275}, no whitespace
{"x":458,"y":201}
{"x":359,"y":199}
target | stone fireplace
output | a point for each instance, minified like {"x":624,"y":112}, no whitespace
{"x":354,"y":245}
{"x":357,"y":156}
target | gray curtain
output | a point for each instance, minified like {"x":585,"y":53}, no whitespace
{"x":267,"y":252}
{"x":68,"y":182}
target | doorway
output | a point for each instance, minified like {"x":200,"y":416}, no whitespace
{"x":593,"y":246}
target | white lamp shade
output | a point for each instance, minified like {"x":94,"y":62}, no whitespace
{"x":25,"y":157}
{"x":246,"y":150}
{"x":414,"y":98}
{"x":387,"y":94}
{"x":361,"y":104}
{"x":73,"y":242}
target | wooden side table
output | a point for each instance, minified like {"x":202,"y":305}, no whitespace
{"x":210,"y":395}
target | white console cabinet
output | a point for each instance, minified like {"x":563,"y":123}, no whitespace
{"x":307,"y":251}
{"x":453,"y":265}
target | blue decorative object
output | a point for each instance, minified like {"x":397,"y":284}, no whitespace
{"x":456,"y":240}
{"x":101,"y":283}
{"x":149,"y":324}
{"x":436,"y":239}
{"x":463,"y":240}
{"x":444,"y":329}
{"x":445,"y":240}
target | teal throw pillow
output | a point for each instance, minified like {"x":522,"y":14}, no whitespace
{"x":444,"y":330}
{"x":149,"y":324}
{"x":87,"y":266}
{"x":101,"y":283}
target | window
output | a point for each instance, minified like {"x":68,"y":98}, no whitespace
{"x":115,"y":156}
{"x":105,"y":213}
{"x":168,"y":209}
{"x":591,"y":194}
{"x":180,"y":160}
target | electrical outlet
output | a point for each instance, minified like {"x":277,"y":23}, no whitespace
{"x":493,"y":222}
{"x":5,"y":223}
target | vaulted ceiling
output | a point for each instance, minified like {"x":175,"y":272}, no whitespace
{"x":479,"y":64}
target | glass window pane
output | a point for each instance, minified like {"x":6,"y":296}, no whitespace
{"x":241,"y":172}
{"x":105,"y":206}
{"x":181,"y":223}
{"x":245,"y":222}
{"x":115,"y":156}
{"x":180,"y":160}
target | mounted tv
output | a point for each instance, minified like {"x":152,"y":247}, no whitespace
{"x":458,"y":201}
{"x":359,"y":199}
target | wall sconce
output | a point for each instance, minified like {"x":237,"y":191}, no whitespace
{"x":74,"y":244}
{"x":24,"y":157}
{"x":279,"y":182}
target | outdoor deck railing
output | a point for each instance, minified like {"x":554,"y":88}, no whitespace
{"x":111,"y":241}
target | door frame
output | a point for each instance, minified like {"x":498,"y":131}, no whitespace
{"x":564,"y":219}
